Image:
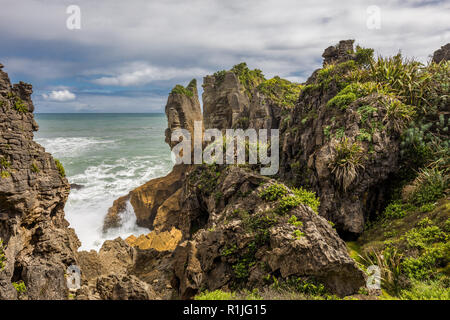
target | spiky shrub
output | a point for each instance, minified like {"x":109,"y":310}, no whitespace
{"x":389,"y":261}
{"x":364,"y":56}
{"x":398,"y":115}
{"x":348,"y":159}
{"x":403,"y":77}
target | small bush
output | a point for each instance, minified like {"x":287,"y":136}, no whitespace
{"x":352,"y":92}
{"x":4,"y":165}
{"x":273,"y":192}
{"x":364,"y":56}
{"x":20,"y":106}
{"x":20,"y":286}
{"x":429,"y":186}
{"x":294,"y":221}
{"x":346,"y":162}
{"x":59,"y":166}
{"x":426,"y":265}
{"x":366,"y":111}
{"x":431,"y":290}
{"x":398,"y":114}
{"x":307,"y":197}
{"x":396,"y":210}
{"x":250,"y":79}
{"x":188,"y":91}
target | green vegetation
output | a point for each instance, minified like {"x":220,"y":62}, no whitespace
{"x":430,"y":290}
{"x":59,"y":166}
{"x":281,"y":91}
{"x":294,"y":221}
{"x":188,"y":91}
{"x":205,"y":178}
{"x":215,"y":295}
{"x":273,"y":192}
{"x":352,"y":92}
{"x":364,"y":56}
{"x":34,"y":167}
{"x":250,"y":79}
{"x":429,"y":186}
{"x":288,"y":201}
{"x":19,"y":105}
{"x":4,"y":166}
{"x":20,"y":287}
{"x":2,"y":256}
{"x":348,"y":159}
{"x":366,"y":111}
{"x":412,"y":249}
{"x":256,"y":225}
{"x":291,"y":288}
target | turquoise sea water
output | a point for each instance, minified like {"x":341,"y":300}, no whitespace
{"x":108,"y":155}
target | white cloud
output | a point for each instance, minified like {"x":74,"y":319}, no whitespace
{"x":103,"y":103}
{"x":140,"y":73}
{"x":59,"y":95}
{"x":173,"y":41}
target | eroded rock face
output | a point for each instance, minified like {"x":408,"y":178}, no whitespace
{"x":442,"y":54}
{"x":263,"y":113}
{"x":146,"y":199}
{"x":341,"y":52}
{"x":225,"y":102}
{"x":308,"y":156}
{"x":120,"y":271}
{"x":314,"y":132}
{"x":182,"y":110}
{"x":39,"y":244}
{"x":240,"y":240}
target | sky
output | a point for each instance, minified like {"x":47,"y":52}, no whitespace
{"x":128,"y":55}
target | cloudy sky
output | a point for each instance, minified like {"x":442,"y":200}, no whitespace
{"x":127,"y":55}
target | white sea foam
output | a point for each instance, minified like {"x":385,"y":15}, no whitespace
{"x":102,"y":184}
{"x":67,"y":146}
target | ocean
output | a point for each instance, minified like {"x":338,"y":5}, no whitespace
{"x":107,"y":155}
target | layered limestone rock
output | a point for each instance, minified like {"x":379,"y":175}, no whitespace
{"x":237,"y":239}
{"x":39,"y":246}
{"x":182,"y":110}
{"x":123,"y":272}
{"x":309,"y":154}
{"x":146,"y":199}
{"x":160,"y":241}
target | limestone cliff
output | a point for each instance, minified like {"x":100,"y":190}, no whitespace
{"x":39,"y":246}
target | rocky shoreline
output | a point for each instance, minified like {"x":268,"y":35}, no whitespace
{"x":226,"y":227}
